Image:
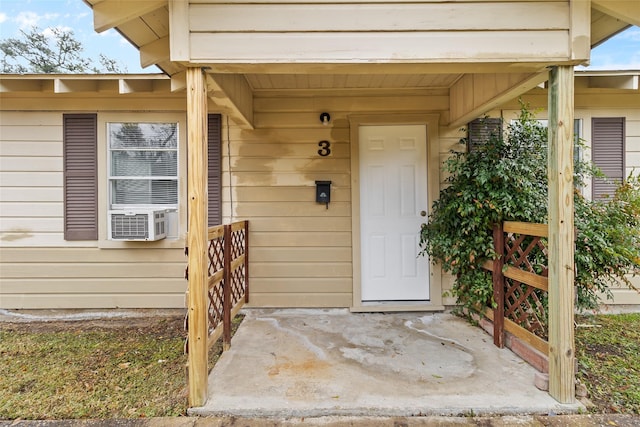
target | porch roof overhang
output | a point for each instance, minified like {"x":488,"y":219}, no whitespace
{"x":161,"y":84}
{"x":474,"y":86}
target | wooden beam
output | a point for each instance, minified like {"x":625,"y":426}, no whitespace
{"x":179,"y":30}
{"x":179,"y":81}
{"x":154,"y":52}
{"x":234,"y":95}
{"x":580,"y":30}
{"x":475,"y":94}
{"x":197,"y":235}
{"x":561,"y":235}
{"x":111,"y":13}
{"x":625,"y":10}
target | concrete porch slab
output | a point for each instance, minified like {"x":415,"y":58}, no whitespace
{"x":311,"y":363}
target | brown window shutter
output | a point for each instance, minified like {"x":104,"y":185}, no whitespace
{"x":480,"y":130}
{"x":214,"y":183}
{"x":80,"y":149}
{"x":607,"y":152}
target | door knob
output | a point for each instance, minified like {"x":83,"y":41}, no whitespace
{"x":423,"y":213}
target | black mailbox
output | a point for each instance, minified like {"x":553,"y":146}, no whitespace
{"x":323,"y":192}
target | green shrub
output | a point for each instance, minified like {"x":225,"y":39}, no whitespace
{"x":608,"y":242}
{"x":506,"y":180}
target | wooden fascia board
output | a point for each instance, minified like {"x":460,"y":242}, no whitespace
{"x":111,"y":13}
{"x":486,"y":92}
{"x":580,"y":30}
{"x":179,"y":30}
{"x":154,"y":52}
{"x":624,"y":10}
{"x":232,"y":93}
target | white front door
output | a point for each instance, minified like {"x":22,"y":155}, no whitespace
{"x":393,"y":202}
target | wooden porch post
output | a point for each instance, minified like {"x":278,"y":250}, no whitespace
{"x":498,"y":286}
{"x":561,"y":235}
{"x":197,"y":237}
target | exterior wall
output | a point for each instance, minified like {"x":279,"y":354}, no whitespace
{"x":598,"y":103}
{"x":39,"y":269}
{"x":241,"y":32}
{"x":302,"y":251}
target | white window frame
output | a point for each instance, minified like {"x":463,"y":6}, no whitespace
{"x":111,"y":178}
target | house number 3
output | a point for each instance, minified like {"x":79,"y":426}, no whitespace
{"x":325,"y":148}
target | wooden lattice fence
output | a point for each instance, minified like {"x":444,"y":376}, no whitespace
{"x":520,"y":284}
{"x":228,"y":280}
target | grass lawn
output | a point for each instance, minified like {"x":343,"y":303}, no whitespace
{"x":116,"y":368}
{"x":608,"y":352}
{"x":136,"y":367}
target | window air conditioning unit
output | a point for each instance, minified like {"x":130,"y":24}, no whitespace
{"x":137,"y":225}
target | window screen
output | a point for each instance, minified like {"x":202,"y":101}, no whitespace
{"x":143,"y":164}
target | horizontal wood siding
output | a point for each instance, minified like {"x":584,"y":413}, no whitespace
{"x":38,"y":267}
{"x":380,"y":31}
{"x":375,"y":17}
{"x":376,"y":47}
{"x":91,"y":278}
{"x":32,"y":180}
{"x":301,"y":252}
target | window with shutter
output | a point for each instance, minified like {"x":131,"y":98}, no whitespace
{"x":143,"y":165}
{"x":80,"y":176}
{"x":607,"y":152}
{"x":215,"y":169}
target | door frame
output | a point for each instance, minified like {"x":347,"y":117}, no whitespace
{"x":431,"y":121}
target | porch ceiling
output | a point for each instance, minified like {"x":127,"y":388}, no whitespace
{"x":146,"y":24}
{"x":350,"y":81}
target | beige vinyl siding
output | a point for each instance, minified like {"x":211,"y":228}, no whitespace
{"x":301,"y":251}
{"x":32,"y":209}
{"x":91,"y":278}
{"x":38,"y":268}
{"x":381,"y":31}
{"x":633,"y":143}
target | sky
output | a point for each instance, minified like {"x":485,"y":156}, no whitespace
{"x":621,"y":52}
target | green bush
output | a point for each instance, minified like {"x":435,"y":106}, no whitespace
{"x":506,"y":180}
{"x":608,"y":242}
